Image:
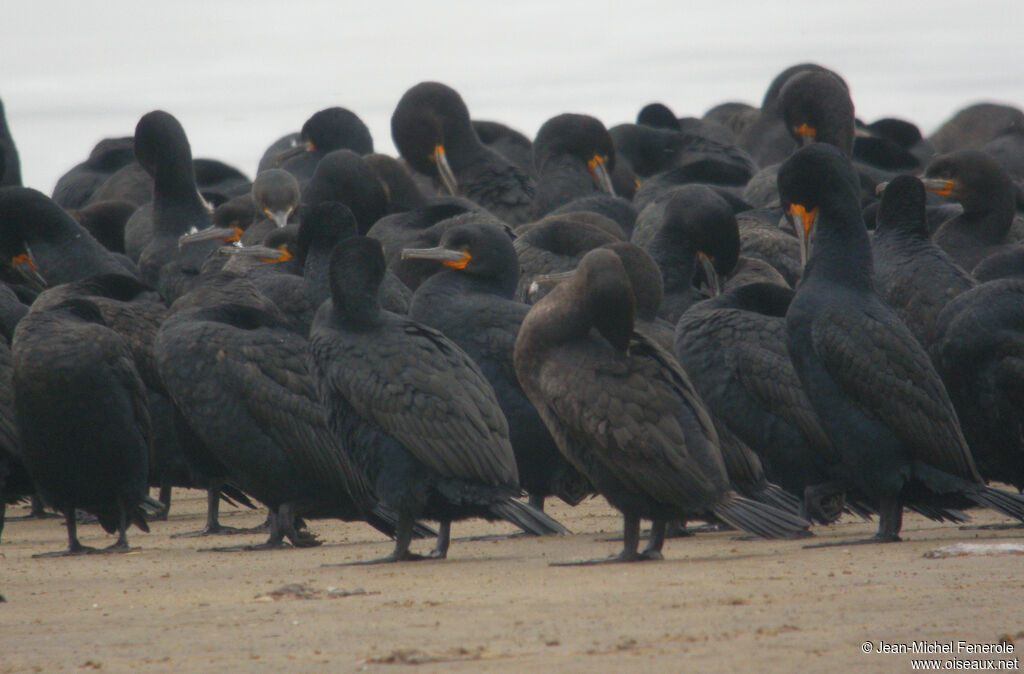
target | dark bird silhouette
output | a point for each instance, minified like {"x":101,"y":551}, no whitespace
{"x":412,"y":409}
{"x":658,"y":115}
{"x":10,"y":164}
{"x":75,"y":188}
{"x":691,"y":233}
{"x":344,"y":177}
{"x":573,"y":156}
{"x":507,"y":142}
{"x":976,"y":125}
{"x":15,"y":481}
{"x":555,"y":244}
{"x":238,"y":374}
{"x":734,"y":348}
{"x":912,"y":274}
{"x":275,"y":196}
{"x":81,"y":408}
{"x":324,"y":132}
{"x":624,"y":413}
{"x":471,"y":303}
{"x":432,"y":131}
{"x":988,"y":197}
{"x":767,"y":137}
{"x":979,"y":352}
{"x":62,"y":250}
{"x":162,"y":148}
{"x":875,"y":391}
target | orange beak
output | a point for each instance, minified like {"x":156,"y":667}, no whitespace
{"x":807,"y":133}
{"x":807,"y":221}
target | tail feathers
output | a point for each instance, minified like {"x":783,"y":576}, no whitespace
{"x":940,"y":513}
{"x":235,"y":496}
{"x":774,"y":495}
{"x":384,"y":519}
{"x":1011,"y":505}
{"x":860,"y":509}
{"x":527,"y":518}
{"x":759,"y":519}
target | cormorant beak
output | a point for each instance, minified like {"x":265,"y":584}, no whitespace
{"x":261,"y":253}
{"x":225,"y":234}
{"x":808,"y":219}
{"x":456,"y":259}
{"x":880,"y":188}
{"x":806,"y":133}
{"x":599,"y":172}
{"x":301,"y":148}
{"x":941,"y":186}
{"x":710,"y":273}
{"x":24,"y":265}
{"x":280,"y":218}
{"x":444,"y":170}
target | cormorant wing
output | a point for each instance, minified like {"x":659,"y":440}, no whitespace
{"x":268,"y":376}
{"x":768,"y":375}
{"x":876,"y":361}
{"x":639,"y":414}
{"x":420,"y":388}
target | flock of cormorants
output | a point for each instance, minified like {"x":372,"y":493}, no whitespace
{"x":763,"y":318}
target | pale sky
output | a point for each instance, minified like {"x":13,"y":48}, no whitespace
{"x":240,"y":74}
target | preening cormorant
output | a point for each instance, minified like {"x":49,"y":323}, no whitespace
{"x":625,"y":414}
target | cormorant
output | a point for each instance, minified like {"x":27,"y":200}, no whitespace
{"x":625,"y":414}
{"x":471,"y":303}
{"x":81,"y":408}
{"x":432,"y":131}
{"x":872,"y":385}
{"x":412,"y":409}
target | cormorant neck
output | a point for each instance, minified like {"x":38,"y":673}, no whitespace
{"x":358,"y":309}
{"x":991,"y":223}
{"x":315,"y":274}
{"x":177,"y":206}
{"x":841,"y":251}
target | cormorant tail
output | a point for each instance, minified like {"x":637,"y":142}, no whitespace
{"x":759,"y":519}
{"x":774,"y":495}
{"x":529,"y":519}
{"x":1011,"y":505}
{"x":234,"y":496}
{"x":940,"y":514}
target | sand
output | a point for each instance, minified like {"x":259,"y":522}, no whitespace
{"x":715,"y":603}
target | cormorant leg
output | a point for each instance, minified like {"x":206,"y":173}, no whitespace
{"x":890,"y":520}
{"x":74,"y":547}
{"x":300,"y":538}
{"x":444,"y":539}
{"x":536,"y":501}
{"x":121,"y":544}
{"x":39,"y":510}
{"x":630,"y":541}
{"x":655,"y":541}
{"x":403,"y":536}
{"x":275,"y":542}
{"x":675,"y":529}
{"x":213,"y":526}
{"x":165,"y":498}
